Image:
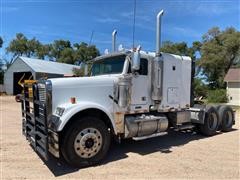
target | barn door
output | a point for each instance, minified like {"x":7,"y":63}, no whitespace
{"x":18,"y":80}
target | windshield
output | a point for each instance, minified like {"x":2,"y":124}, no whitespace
{"x":111,"y":65}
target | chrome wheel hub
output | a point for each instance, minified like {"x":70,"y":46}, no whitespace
{"x":88,"y":143}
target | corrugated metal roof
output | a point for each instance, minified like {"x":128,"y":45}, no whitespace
{"x":233,"y":75}
{"x":45,"y":66}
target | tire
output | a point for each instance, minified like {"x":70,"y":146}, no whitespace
{"x":211,"y":122}
{"x":86,"y":142}
{"x":226,"y":117}
{"x":18,"y":98}
{"x":217,"y":107}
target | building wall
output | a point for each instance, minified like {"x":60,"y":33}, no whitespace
{"x":2,"y":88}
{"x":17,"y":66}
{"x":20,"y":66}
{"x":233,"y":91}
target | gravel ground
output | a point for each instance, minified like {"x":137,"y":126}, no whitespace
{"x":174,"y":156}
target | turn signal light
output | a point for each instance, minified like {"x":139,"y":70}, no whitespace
{"x":73,"y":100}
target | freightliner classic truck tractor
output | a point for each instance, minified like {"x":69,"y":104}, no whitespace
{"x":129,"y":94}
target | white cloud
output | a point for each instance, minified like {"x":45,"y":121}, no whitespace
{"x":203,"y":8}
{"x":126,"y":14}
{"x":187,"y":32}
{"x":139,"y":16}
{"x":107,"y":20}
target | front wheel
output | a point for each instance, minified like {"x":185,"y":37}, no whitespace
{"x":85,"y":142}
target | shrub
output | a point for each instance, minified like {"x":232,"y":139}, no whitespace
{"x":200,"y":89}
{"x":217,"y":96}
{"x":78,"y":72}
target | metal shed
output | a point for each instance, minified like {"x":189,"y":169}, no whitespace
{"x":28,"y":68}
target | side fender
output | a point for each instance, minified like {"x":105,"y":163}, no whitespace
{"x":72,"y":109}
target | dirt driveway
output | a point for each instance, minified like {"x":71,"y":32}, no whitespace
{"x":178,"y":155}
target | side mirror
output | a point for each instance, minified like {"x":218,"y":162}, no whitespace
{"x":136,"y":60}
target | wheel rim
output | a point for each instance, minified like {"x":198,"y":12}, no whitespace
{"x":228,"y":118}
{"x":88,"y":142}
{"x":212,"y":123}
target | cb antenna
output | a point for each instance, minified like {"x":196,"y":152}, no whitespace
{"x":134,"y":19}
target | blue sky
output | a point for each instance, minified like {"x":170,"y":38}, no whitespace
{"x":74,"y":20}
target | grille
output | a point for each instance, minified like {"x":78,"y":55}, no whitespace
{"x":42,"y":92}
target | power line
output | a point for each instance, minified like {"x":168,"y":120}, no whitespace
{"x":134,"y":19}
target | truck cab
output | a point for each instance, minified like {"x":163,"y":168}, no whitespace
{"x":129,"y":94}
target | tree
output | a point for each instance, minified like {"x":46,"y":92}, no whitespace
{"x":200,"y":89}
{"x":78,"y":72}
{"x":63,"y":51}
{"x":43,"y":51}
{"x":67,"y":55}
{"x":33,"y":46}
{"x":57,"y":47}
{"x":219,"y":51}
{"x":1,"y":42}
{"x":179,"y":49}
{"x":85,"y":52}
{"x":60,"y":50}
{"x":21,"y":46}
{"x":18,"y":46}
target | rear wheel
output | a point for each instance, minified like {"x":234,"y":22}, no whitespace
{"x":211,"y":122}
{"x":85,"y":142}
{"x":226,"y":117}
{"x":217,"y":107}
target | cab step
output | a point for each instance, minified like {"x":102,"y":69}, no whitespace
{"x":149,"y":136}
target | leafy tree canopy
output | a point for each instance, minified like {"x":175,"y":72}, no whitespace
{"x":219,"y":51}
{"x":21,"y":46}
{"x":60,"y":50}
{"x":85,"y":52}
{"x":180,"y":48}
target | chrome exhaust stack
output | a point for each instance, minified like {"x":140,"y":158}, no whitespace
{"x":157,"y":65}
{"x":114,"y":33}
{"x":158,"y":33}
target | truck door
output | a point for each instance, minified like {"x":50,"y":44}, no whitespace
{"x":139,"y":91}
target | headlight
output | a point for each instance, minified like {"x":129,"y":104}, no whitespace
{"x":60,"y":111}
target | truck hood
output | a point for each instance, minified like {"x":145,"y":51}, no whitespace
{"x":77,"y":82}
{"x":95,"y":89}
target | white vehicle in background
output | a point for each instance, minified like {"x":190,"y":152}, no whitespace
{"x":130,"y":94}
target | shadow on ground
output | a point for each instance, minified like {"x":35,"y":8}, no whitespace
{"x":162,"y":144}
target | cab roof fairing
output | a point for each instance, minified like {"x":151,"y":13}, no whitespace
{"x":144,"y":54}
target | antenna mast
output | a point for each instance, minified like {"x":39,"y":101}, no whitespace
{"x":134,"y":19}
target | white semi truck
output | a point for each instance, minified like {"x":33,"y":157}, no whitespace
{"x":129,"y":94}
